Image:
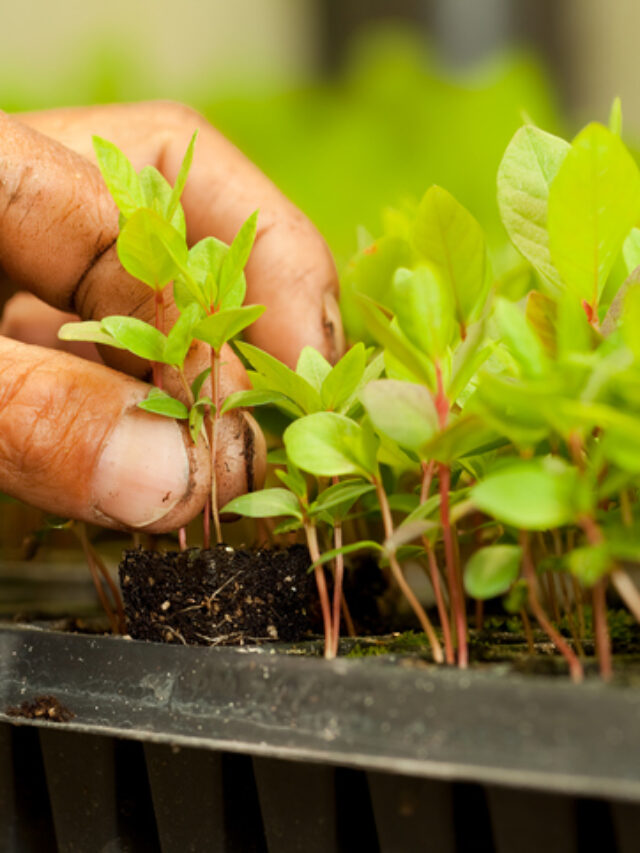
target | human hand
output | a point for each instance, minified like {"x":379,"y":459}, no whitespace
{"x":72,"y":440}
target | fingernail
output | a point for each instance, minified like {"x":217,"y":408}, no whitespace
{"x":143,"y":471}
{"x":332,"y":323}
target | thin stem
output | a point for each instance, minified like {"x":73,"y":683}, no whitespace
{"x":321,"y":583}
{"x":182,"y":538}
{"x":526,"y":624}
{"x":566,"y":601}
{"x":575,"y":667}
{"x":417,"y":608}
{"x":215,"y":396}
{"x":625,"y":508}
{"x":97,"y":569}
{"x":434,"y":576}
{"x":346,"y":615}
{"x":206,"y":524}
{"x":159,"y":323}
{"x":337,"y":585}
{"x":457,"y":602}
{"x":601,"y":629}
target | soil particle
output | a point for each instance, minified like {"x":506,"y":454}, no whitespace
{"x":220,"y":596}
{"x":43,"y":708}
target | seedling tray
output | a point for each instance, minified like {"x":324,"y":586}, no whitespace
{"x":176,"y":748}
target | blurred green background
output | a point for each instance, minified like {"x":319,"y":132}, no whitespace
{"x":348,"y":106}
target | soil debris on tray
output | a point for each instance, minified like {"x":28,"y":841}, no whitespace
{"x":42,"y":708}
{"x":220,"y":596}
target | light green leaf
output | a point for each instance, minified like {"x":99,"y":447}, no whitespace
{"x":615,"y":117}
{"x":492,"y":570}
{"x":542,"y":317}
{"x":424,"y":310}
{"x":181,"y":178}
{"x":279,"y":377}
{"x":204,"y":264}
{"x":89,"y":330}
{"x":340,"y":496}
{"x":631,"y":319}
{"x":150,"y":249}
{"x":265,"y":504}
{"x":198,"y":382}
{"x":196,"y":420}
{"x":631,"y":250}
{"x":522,"y":341}
{"x":589,"y":564}
{"x":119,"y":175}
{"x":404,"y":412}
{"x":363,"y":545}
{"x":160,"y":403}
{"x":137,"y":336}
{"x":452,"y":241}
{"x":328,"y":445}
{"x":238,"y":254}
{"x":341,"y":383}
{"x":534,"y":494}
{"x":156,"y":191}
{"x":313,"y":367}
{"x":180,"y":336}
{"x":593,"y":204}
{"x":243,"y":399}
{"x":217,"y":329}
{"x":468,"y":357}
{"x":464,"y":435}
{"x":529,"y":165}
{"x":293,"y":480}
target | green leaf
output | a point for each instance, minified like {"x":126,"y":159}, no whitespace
{"x":265,"y":504}
{"x":527,"y":170}
{"x":364,"y":545}
{"x":589,"y":564}
{"x":516,"y":599}
{"x":631,"y":250}
{"x":631,"y":319}
{"x":402,"y":411}
{"x":424,"y":310}
{"x":340,"y":496}
{"x":150,"y":249}
{"x":492,"y":570}
{"x":196,"y":420}
{"x":181,"y":178}
{"x":313,"y":367}
{"x":137,"y":336}
{"x":294,"y":481}
{"x":198,"y":382}
{"x":468,"y":357}
{"x":204,"y":264}
{"x":542,"y":317}
{"x":242,"y":399}
{"x":534,"y":494}
{"x":521,"y":339}
{"x":615,"y":117}
{"x":464,"y":435}
{"x":180,"y":336}
{"x":593,"y":204}
{"x":89,"y":330}
{"x":160,"y":403}
{"x":238,"y":254}
{"x":218,"y":329}
{"x":119,"y":176}
{"x":451,"y":239}
{"x":156,"y":191}
{"x":281,"y":378}
{"x":329,"y":445}
{"x":343,"y":380}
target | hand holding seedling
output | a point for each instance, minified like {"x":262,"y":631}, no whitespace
{"x":73,"y":438}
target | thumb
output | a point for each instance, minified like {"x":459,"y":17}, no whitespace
{"x":74,"y":443}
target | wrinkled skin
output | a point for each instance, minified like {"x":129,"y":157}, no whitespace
{"x":71,"y":438}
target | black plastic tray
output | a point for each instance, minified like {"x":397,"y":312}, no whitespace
{"x":177,"y":749}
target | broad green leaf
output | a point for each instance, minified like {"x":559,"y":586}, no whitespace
{"x":236,"y":258}
{"x":402,"y":411}
{"x":452,"y":241}
{"x":119,"y":175}
{"x":313,"y":367}
{"x":180,"y":336}
{"x":181,"y":178}
{"x":396,"y":343}
{"x":279,"y":377}
{"x":340,"y":496}
{"x":217,"y":329}
{"x":156,"y":192}
{"x":265,"y":504}
{"x":424,"y":310}
{"x":631,"y":250}
{"x":534,"y":494}
{"x":491,"y":570}
{"x":574,"y":334}
{"x":160,"y":403}
{"x":464,"y":435}
{"x":516,"y":409}
{"x":89,"y":330}
{"x":294,"y":481}
{"x":468,"y":357}
{"x":137,"y":336}
{"x":204,"y":264}
{"x":542,"y":316}
{"x":328,"y":445}
{"x":529,"y":166}
{"x":593,"y":204}
{"x":343,"y":380}
{"x":589,"y":564}
{"x":364,"y":545}
{"x":150,"y":249}
{"x":244,"y":399}
{"x":198,"y":382}
{"x":521,"y":339}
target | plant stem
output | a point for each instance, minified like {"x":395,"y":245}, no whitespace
{"x":346,"y":615}
{"x":206,"y":524}
{"x":159,"y":322}
{"x":600,"y":628}
{"x":97,"y":567}
{"x":337,"y":584}
{"x":215,"y":397}
{"x":457,"y":603}
{"x":566,"y":600}
{"x":417,"y":608}
{"x":526,"y":624}
{"x":321,"y":583}
{"x":627,"y":590}
{"x":434,"y":576}
{"x":182,"y":538}
{"x":575,"y":667}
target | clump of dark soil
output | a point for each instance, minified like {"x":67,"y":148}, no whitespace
{"x":221,"y":596}
{"x":43,"y":708}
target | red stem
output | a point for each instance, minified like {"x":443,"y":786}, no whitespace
{"x":321,"y":583}
{"x":157,"y":367}
{"x":457,"y":602}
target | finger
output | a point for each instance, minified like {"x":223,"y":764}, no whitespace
{"x":74,"y":442}
{"x":30,"y":320}
{"x":290,"y":270}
